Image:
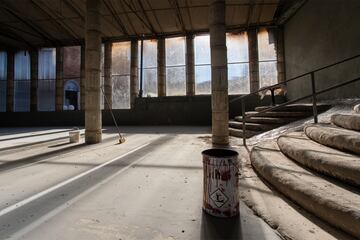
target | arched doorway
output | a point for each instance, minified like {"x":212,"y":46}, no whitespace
{"x":71,"y":95}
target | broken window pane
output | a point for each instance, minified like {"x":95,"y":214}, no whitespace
{"x":149,"y":67}
{"x":121,"y":75}
{"x":22,"y":82}
{"x":267,"y":57}
{"x":71,"y":75}
{"x":238,"y":63}
{"x":46,"y":81}
{"x":175,"y":66}
{"x":202,"y":64}
{"x":3,"y":76}
{"x":150,"y":83}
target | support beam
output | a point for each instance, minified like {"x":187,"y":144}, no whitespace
{"x":107,"y":75}
{"x":34,"y":60}
{"x":253,"y":60}
{"x":219,"y":76}
{"x":59,"y":98}
{"x":10,"y":82}
{"x":82,"y":78}
{"x":92,"y":72}
{"x":134,"y":72}
{"x":161,"y":67}
{"x":190,"y":66}
{"x":280,"y":54}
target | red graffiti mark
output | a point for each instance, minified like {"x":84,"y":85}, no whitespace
{"x":225,"y":176}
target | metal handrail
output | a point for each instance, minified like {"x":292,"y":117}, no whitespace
{"x":313,"y":95}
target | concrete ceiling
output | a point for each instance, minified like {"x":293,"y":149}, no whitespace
{"x":29,"y":23}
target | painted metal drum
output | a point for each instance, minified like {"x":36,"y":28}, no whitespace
{"x":221,"y":182}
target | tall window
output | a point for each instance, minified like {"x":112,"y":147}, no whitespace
{"x":121,"y":75}
{"x":267,"y":57}
{"x":22,"y":82}
{"x":202,"y":64}
{"x":175,"y":66}
{"x":3,"y":75}
{"x":149,"y":67}
{"x":238,"y":63}
{"x":47,"y":82}
{"x":71,"y":75}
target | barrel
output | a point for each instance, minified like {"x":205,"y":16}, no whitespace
{"x":220,"y":195}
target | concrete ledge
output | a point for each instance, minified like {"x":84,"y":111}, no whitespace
{"x":335,"y":137}
{"x":337,"y":206}
{"x":351,"y":122}
{"x":357,"y":108}
{"x":334,"y":163}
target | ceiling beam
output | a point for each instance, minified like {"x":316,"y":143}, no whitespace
{"x":146,"y":16}
{"x":139,"y":17}
{"x":286,"y":9}
{"x":111,"y":9}
{"x":189,"y":14}
{"x":155,"y":16}
{"x":177,"y":11}
{"x":128,"y":19}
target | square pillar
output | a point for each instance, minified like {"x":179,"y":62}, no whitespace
{"x":161,"y":67}
{"x":82,"y":78}
{"x":280,"y":54}
{"x":190,"y":66}
{"x":10,"y":82}
{"x":253,"y":60}
{"x":107,"y":75}
{"x":34,"y":76}
{"x":59,"y":94}
{"x":134,"y":72}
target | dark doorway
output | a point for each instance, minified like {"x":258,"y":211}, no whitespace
{"x":71,"y":98}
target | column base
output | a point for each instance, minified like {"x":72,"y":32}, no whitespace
{"x":93,"y":137}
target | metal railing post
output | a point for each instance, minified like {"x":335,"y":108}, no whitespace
{"x":243,"y":120}
{"x":314,"y":100}
{"x":272,"y":97}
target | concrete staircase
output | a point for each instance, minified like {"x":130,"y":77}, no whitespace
{"x":269,"y":120}
{"x":318,"y":168}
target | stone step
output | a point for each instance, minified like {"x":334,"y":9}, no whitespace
{"x":335,"y":137}
{"x":351,"y":122}
{"x":266,"y":120}
{"x":306,"y":107}
{"x":328,"y":201}
{"x":239,"y":133}
{"x":252,"y":126}
{"x":281,"y":114}
{"x":326,"y":160}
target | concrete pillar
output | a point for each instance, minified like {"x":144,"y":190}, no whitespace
{"x":92,"y":72}
{"x":134,"y":72}
{"x":59,"y":95}
{"x":219,"y":76}
{"x":107,"y":75}
{"x":253,"y":60}
{"x":190,"y":66}
{"x":10,"y":82}
{"x":34,"y":69}
{"x":82,"y":78}
{"x":161,"y":67}
{"x":280,"y":54}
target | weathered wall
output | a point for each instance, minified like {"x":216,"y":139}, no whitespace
{"x":323,"y":32}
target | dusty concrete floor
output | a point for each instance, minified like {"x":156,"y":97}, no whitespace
{"x":150,"y":187}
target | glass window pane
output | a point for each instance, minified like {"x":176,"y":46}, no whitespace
{"x":46,"y":82}
{"x":3,"y":75}
{"x":150,"y":53}
{"x":176,"y":83}
{"x":121,"y":92}
{"x":266,"y":45}
{"x":22,"y":82}
{"x":175,"y":51}
{"x":150,"y":82}
{"x":202,"y":49}
{"x":71,"y":62}
{"x":237,"y":47}
{"x":121,"y":58}
{"x":238,"y":75}
{"x":267,"y":73}
{"x":203,"y":79}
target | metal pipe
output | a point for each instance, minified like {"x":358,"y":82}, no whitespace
{"x":141,"y":67}
{"x":272,"y":97}
{"x":243,"y":120}
{"x":314,"y":100}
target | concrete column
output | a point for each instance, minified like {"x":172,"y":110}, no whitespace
{"x":219,"y":76}
{"x":107,"y":75}
{"x":134,"y":72}
{"x":253,"y":60}
{"x":82,"y":78}
{"x":34,"y":59}
{"x":161,"y":67}
{"x":59,"y":98}
{"x":92,"y":72}
{"x":10,"y":82}
{"x":190,"y":66}
{"x":280,"y":55}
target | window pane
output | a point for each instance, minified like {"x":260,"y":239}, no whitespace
{"x":22,"y":82}
{"x":266,"y":45}
{"x":203,"y":79}
{"x":268,"y":73}
{"x":176,"y":81}
{"x":202,"y":49}
{"x":238,"y":75}
{"x":150,"y":53}
{"x":237,"y":47}
{"x":175,"y":51}
{"x":121,"y":92}
{"x":121,"y":58}
{"x":3,"y":75}
{"x":150,"y":82}
{"x":46,"y":82}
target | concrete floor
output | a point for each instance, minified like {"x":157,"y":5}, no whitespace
{"x":150,"y":187}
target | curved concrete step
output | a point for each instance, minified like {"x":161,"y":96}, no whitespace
{"x":253,"y":126}
{"x":357,"y":108}
{"x":351,"y":122}
{"x":281,"y":114}
{"x":336,"y":205}
{"x":239,"y":133}
{"x":332,"y":162}
{"x":267,"y":120}
{"x":335,"y":137}
{"x":306,"y":107}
